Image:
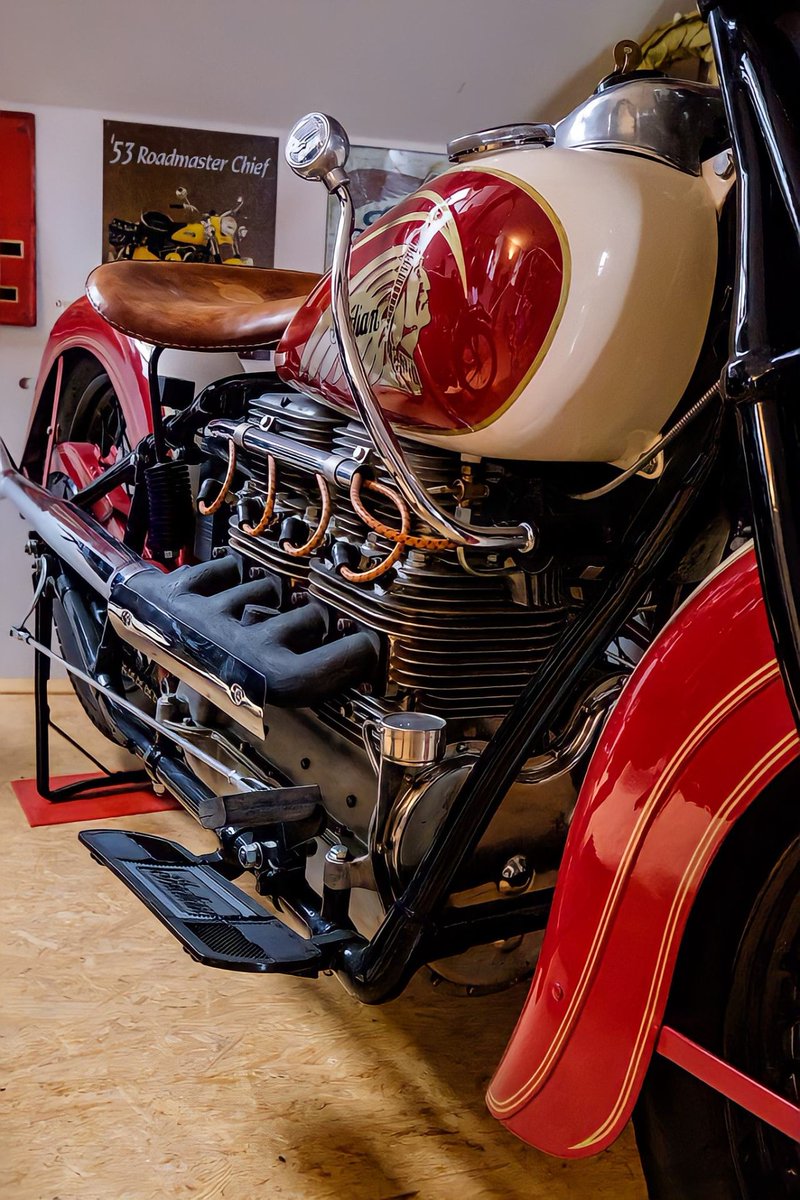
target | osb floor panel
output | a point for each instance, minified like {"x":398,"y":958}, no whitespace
{"x":132,"y":1073}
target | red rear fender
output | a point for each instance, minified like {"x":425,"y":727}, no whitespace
{"x":81,"y":332}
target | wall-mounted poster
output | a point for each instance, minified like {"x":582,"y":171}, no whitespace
{"x":378,"y":180}
{"x":193,"y":195}
{"x":17,"y":219}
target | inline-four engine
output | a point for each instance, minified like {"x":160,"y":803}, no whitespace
{"x":458,"y":635}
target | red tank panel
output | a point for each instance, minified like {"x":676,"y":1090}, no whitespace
{"x":455,"y":294}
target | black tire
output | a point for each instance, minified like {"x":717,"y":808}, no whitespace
{"x":89,"y":409}
{"x":736,"y":992}
{"x":762,"y":1028}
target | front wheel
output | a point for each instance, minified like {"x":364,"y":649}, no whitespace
{"x":762,"y":1030}
{"x":740,"y":998}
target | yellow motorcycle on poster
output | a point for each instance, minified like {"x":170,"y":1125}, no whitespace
{"x":210,"y":237}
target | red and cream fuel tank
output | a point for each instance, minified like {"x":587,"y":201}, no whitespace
{"x":547,"y":297}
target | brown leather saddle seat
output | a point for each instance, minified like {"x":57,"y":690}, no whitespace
{"x":198,"y":306}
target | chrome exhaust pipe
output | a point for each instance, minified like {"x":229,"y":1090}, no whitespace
{"x":105,"y":563}
{"x":78,"y":540}
{"x":188,"y":621}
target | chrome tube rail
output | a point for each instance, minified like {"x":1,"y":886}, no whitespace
{"x":239,"y":782}
{"x":338,"y":469}
{"x":75,"y":537}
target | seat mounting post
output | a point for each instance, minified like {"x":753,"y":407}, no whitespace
{"x":154,"y":386}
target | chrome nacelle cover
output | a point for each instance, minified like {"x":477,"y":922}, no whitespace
{"x":674,"y":121}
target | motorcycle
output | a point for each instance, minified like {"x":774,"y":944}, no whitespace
{"x":472,"y":630}
{"x":213,"y":237}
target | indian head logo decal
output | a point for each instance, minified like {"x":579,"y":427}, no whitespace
{"x":389,"y":301}
{"x":454,"y":295}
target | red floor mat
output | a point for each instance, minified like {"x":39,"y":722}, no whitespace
{"x":90,"y":808}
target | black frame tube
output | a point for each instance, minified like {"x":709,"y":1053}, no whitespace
{"x":759,"y":68}
{"x":380,"y":970}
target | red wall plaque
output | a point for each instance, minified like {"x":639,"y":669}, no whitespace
{"x":17,"y":219}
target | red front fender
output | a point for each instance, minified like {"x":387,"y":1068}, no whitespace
{"x":700,"y":730}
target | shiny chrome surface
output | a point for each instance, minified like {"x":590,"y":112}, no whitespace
{"x":503,"y":137}
{"x":673,"y":121}
{"x":230,"y":759}
{"x":80,"y":541}
{"x":317,"y":148}
{"x":336,"y":468}
{"x":409,"y":739}
{"x":239,"y":782}
{"x":382,"y":435}
{"x":408,"y":743}
{"x":105,"y":563}
{"x":162,"y":644}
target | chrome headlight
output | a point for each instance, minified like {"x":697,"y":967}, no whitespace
{"x":317,"y":148}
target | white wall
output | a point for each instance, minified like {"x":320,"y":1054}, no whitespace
{"x":420,"y":69}
{"x":69,"y":194}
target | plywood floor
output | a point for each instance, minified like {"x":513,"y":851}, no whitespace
{"x":131,"y":1073}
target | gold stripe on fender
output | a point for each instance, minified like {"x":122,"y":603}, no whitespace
{"x":748,"y":687}
{"x":781,"y":750}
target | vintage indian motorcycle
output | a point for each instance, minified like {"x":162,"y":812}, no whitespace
{"x":469,"y":642}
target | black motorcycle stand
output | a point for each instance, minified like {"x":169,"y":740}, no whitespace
{"x":113,"y":780}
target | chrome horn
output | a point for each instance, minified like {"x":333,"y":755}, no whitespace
{"x":317,"y":148}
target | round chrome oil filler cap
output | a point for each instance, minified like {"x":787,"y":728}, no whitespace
{"x":503,"y":137}
{"x":412,"y":739}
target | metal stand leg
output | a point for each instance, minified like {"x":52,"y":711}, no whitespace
{"x":43,"y":625}
{"x":114,"y":780}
